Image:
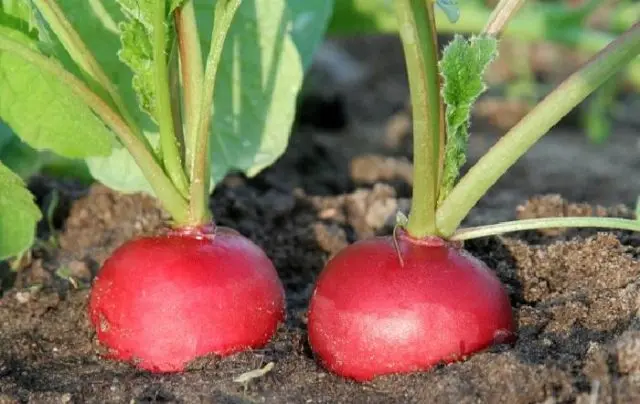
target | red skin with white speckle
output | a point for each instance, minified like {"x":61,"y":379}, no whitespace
{"x":379,"y":310}
{"x":161,"y":302}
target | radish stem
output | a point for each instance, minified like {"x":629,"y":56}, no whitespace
{"x":545,"y":223}
{"x":532,"y":127}
{"x":192,"y":71}
{"x":199,"y":192}
{"x":168,"y":140}
{"x":501,"y":14}
{"x":419,"y":40}
{"x":164,"y":189}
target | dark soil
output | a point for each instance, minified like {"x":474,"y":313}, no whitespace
{"x":576,"y":294}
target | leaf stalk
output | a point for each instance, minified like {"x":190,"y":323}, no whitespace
{"x":191,"y":69}
{"x":169,"y":145}
{"x":545,"y":223}
{"x":200,"y":174}
{"x":419,"y":39}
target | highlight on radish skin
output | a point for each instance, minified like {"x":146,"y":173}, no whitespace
{"x":161,"y":302}
{"x":378,"y":309}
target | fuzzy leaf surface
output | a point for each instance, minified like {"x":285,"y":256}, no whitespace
{"x":463,"y":64}
{"x":137,"y":50}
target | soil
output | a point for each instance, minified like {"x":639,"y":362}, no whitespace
{"x":575,"y":293}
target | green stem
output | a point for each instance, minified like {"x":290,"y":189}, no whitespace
{"x":175,"y":96}
{"x":501,"y":14}
{"x":199,"y":195}
{"x":82,"y":56}
{"x":192,"y":71}
{"x":545,"y":223}
{"x":532,"y":127}
{"x":168,"y":140}
{"x":419,"y":40}
{"x":164,"y":189}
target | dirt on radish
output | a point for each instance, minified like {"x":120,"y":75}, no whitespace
{"x":574,"y":293}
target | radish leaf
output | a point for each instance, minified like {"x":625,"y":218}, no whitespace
{"x":309,"y":20}
{"x":463,"y":64}
{"x":17,"y":14}
{"x":44,"y":112}
{"x":137,"y":50}
{"x":17,"y":155}
{"x":261,"y":73}
{"x":18,"y":214}
{"x":137,"y":53}
{"x":119,"y":171}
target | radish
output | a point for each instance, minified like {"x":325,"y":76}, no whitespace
{"x":377,"y":309}
{"x":409,"y":301}
{"x":163,"y":301}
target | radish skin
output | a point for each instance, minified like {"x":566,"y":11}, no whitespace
{"x":378,"y":310}
{"x":161,"y":302}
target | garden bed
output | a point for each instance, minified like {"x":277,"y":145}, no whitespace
{"x":575,"y":293}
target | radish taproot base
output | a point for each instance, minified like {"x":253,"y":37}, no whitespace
{"x":161,"y":302}
{"x":372,"y":314}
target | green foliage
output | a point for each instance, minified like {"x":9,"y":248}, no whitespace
{"x":18,"y":214}
{"x":137,"y":50}
{"x":254,"y":99}
{"x":44,"y":111}
{"x":463,"y":64}
{"x":119,"y":171}
{"x":270,"y":44}
{"x":17,"y":15}
{"x":18,"y":156}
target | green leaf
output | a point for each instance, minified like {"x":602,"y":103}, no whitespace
{"x":259,"y":79}
{"x":309,"y":23}
{"x":450,"y":8}
{"x":17,"y":155}
{"x":137,"y":49}
{"x":255,"y":93}
{"x":463,"y":64}
{"x":18,"y":214}
{"x":137,"y":53}
{"x":97,"y":22}
{"x":119,"y":170}
{"x":44,"y":112}
{"x":139,"y":10}
{"x":18,"y":15}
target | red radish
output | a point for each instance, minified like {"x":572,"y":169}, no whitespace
{"x":378,"y":310}
{"x":161,"y":302}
